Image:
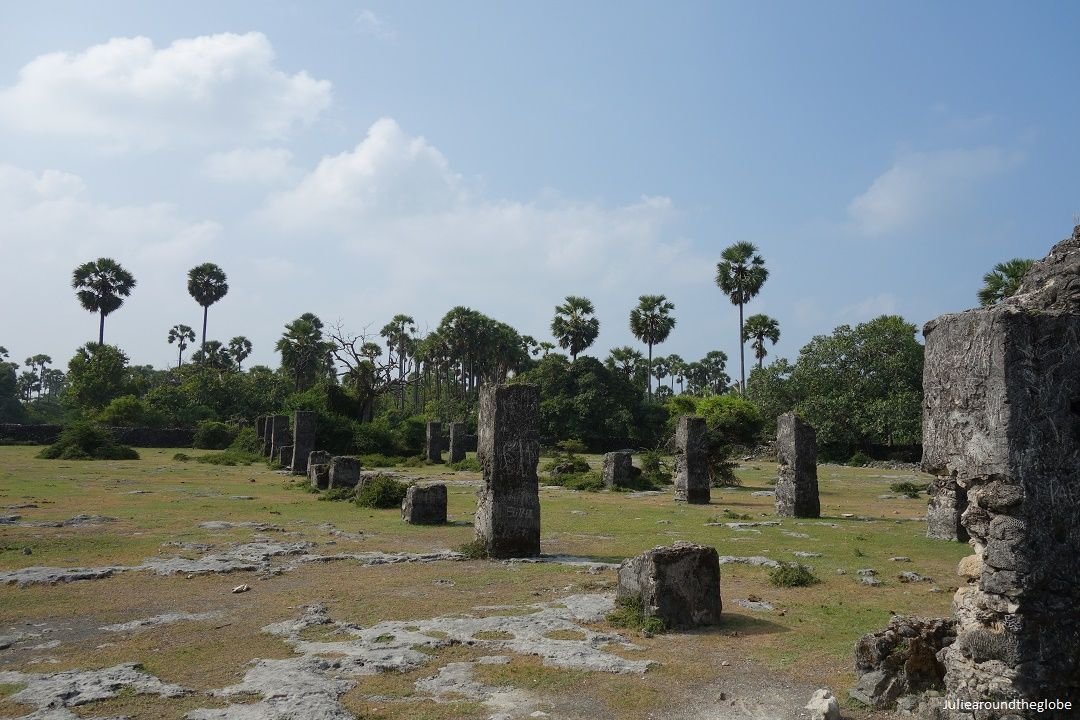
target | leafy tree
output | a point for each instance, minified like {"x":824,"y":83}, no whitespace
{"x":398,"y":334}
{"x":239,"y":350}
{"x":96,"y":374}
{"x":574,"y":326}
{"x":206,"y":284}
{"x":676,"y":368}
{"x":1003,"y":281}
{"x":760,"y":328}
{"x":304,"y":352}
{"x":545,"y":347}
{"x":771,"y":390}
{"x":181,"y":335}
{"x":651,"y":323}
{"x":740,"y":274}
{"x":102,"y":285}
{"x":625,"y":360}
{"x":714,"y":378}
{"x":213,"y":355}
{"x":661,"y":368}
{"x":11,"y":410}
{"x":37,"y":365}
{"x":26,"y":384}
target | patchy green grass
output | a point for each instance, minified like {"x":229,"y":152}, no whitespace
{"x":158,"y":503}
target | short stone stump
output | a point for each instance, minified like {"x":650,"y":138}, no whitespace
{"x":319,"y":475}
{"x":424,"y":505}
{"x":679,"y":584}
{"x":344,"y":471}
{"x":618,"y":469}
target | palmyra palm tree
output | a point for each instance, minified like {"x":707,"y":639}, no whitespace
{"x":181,"y":335}
{"x":760,"y":328}
{"x":651,"y":323}
{"x":740,"y":274}
{"x":1003,"y":281}
{"x":102,"y":285}
{"x":574,"y":325}
{"x":207,"y":284}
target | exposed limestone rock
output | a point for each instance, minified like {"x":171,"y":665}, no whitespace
{"x":901,"y":660}
{"x":678,"y":584}
{"x":159,"y":620}
{"x":344,"y":472}
{"x":49,"y":693}
{"x":947,"y":503}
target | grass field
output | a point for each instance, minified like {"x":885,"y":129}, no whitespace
{"x":156,"y":506}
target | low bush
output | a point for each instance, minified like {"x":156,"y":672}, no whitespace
{"x":378,"y":460}
{"x":181,"y":457}
{"x":909,"y":489}
{"x":213,"y":435}
{"x":87,"y":441}
{"x":229,"y":457}
{"x":469,"y":464}
{"x":587,"y":481}
{"x":859,"y":459}
{"x":655,"y":467}
{"x":792,"y":575}
{"x":381,"y":491}
{"x":630,"y":613}
{"x":338,"y":493}
{"x":473,"y":550}
{"x":247,"y":441}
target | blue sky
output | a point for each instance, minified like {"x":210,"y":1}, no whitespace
{"x":363,"y":159}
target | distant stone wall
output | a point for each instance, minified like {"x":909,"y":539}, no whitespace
{"x":136,"y":436}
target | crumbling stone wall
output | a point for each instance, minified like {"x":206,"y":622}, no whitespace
{"x":692,"y":461}
{"x":1002,"y":420}
{"x":944,"y":510}
{"x":796,"y":454}
{"x":507,"y":518}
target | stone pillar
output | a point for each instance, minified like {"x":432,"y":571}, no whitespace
{"x":344,"y":472}
{"x":433,"y":443}
{"x":260,"y":428}
{"x":678,"y":584}
{"x":277,"y":435}
{"x":285,"y":455}
{"x":424,"y":505}
{"x":508,"y":513}
{"x":617,"y":469}
{"x":944,"y":511}
{"x":796,"y":452}
{"x":1001,"y":418}
{"x":319,"y":474}
{"x":303,"y":440}
{"x":267,"y":434}
{"x":692,"y":461}
{"x":457,"y":442}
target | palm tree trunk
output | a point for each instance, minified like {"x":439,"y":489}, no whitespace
{"x":742,"y":354}
{"x":648,"y":378}
{"x":180,"y":358}
{"x":101,"y":330}
{"x":207,"y":307}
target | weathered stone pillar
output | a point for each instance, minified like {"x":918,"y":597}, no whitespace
{"x":617,"y":469}
{"x":692,"y":461}
{"x":457,"y":442}
{"x":318,"y":465}
{"x":260,"y":428}
{"x":678,"y":584}
{"x":278,"y":434}
{"x":1002,"y":419}
{"x":303,"y":440}
{"x":944,"y":511}
{"x":433,"y":443}
{"x":344,"y":471}
{"x":285,"y":455}
{"x":796,"y":454}
{"x":508,"y":513}
{"x":424,"y":505}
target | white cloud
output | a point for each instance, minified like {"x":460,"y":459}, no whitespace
{"x":50,"y":226}
{"x":419,"y":236}
{"x":922,"y":186}
{"x":868,"y":308}
{"x":368,"y":23}
{"x":264,"y":166}
{"x":126,"y":93}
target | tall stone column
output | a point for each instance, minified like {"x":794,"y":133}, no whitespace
{"x":796,"y":453}
{"x":508,"y":513}
{"x":1002,"y":420}
{"x":260,"y":428}
{"x":457,"y":442}
{"x":303,"y":440}
{"x":692,"y":461}
{"x":433,"y":443}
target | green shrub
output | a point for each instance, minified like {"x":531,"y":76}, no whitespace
{"x":859,"y":459}
{"x":229,"y":457}
{"x":587,"y":481}
{"x":909,"y":489}
{"x":792,"y":575}
{"x":338,"y":493}
{"x":412,"y":461}
{"x":213,"y":435}
{"x":655,"y":467}
{"x":630,"y":613}
{"x":571,"y":447}
{"x":377,"y":460}
{"x":181,"y":457}
{"x":474,"y":550}
{"x":247,"y":441}
{"x":470,"y":464}
{"x":87,"y":441}
{"x":381,"y":491}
